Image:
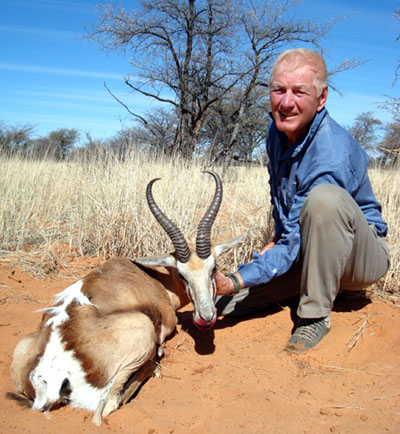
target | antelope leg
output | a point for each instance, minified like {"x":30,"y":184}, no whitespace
{"x":137,"y":379}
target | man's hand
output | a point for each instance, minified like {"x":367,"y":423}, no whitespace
{"x":224,"y":284}
{"x":267,"y":247}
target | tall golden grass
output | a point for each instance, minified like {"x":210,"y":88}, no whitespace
{"x":95,"y":208}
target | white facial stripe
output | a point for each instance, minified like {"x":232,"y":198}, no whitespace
{"x":199,"y":286}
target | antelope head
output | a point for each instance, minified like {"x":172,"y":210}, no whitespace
{"x":196,"y":267}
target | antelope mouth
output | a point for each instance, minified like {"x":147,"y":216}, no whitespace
{"x":203,"y":324}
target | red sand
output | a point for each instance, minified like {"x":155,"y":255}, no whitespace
{"x":234,"y":379}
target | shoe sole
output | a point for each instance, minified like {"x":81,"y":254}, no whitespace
{"x":299,"y":347}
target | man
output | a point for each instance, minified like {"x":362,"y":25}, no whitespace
{"x":329,"y":232}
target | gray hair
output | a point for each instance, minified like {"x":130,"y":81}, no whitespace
{"x":302,"y":56}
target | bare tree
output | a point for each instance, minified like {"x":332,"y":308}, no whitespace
{"x":390,"y":145}
{"x":62,"y":142}
{"x":15,"y":139}
{"x":364,"y":130}
{"x":191,"y":54}
{"x":158,"y":131}
{"x":91,"y":149}
{"x":58,"y":144}
{"x":222,"y":121}
{"x":173,"y":47}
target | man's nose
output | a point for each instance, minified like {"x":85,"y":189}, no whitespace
{"x":287,"y":100}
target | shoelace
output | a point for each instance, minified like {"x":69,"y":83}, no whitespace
{"x":309,"y":329}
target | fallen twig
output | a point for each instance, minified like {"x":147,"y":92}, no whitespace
{"x":312,"y":414}
{"x":354,"y":339}
{"x":168,"y":376}
{"x":340,"y":368}
{"x":387,"y":396}
{"x":348,"y":406}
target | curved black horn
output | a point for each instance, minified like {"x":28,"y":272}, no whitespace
{"x":176,"y":236}
{"x":203,"y":243}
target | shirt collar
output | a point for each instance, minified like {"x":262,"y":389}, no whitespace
{"x":298,"y":146}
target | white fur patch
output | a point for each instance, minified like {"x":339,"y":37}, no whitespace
{"x":54,"y":367}
{"x":64,"y":299}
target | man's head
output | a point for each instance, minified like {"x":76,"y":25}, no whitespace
{"x":297,"y":91}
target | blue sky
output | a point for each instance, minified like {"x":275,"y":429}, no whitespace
{"x":51,"y":78}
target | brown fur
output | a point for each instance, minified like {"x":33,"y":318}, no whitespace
{"x":31,"y":348}
{"x":116,"y":337}
{"x":122,"y":294}
{"x":117,"y":289}
{"x":195,"y":263}
{"x":170,"y":280}
{"x":131,"y":288}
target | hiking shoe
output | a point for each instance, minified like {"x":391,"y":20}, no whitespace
{"x":308,"y":333}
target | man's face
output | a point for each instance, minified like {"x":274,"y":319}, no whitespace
{"x":294,"y":99}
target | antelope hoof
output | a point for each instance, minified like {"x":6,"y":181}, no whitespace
{"x":97,"y":419}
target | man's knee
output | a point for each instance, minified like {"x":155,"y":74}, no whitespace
{"x":324,"y":202}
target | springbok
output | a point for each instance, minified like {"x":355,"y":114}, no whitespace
{"x":96,"y":345}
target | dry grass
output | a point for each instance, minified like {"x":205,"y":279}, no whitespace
{"x":386,"y":185}
{"x":53,"y":210}
{"x":56,"y":210}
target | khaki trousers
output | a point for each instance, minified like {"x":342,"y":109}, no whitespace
{"x":339,"y":250}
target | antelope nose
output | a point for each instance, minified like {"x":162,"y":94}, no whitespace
{"x":204,"y":324}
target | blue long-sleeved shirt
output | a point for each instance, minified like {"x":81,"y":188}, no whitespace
{"x":327,"y":155}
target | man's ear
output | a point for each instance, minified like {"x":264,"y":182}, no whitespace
{"x":323,"y":97}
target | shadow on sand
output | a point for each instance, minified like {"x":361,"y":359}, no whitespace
{"x":347,"y":301}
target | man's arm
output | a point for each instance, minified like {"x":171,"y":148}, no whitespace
{"x":225,"y":285}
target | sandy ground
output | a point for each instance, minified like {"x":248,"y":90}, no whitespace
{"x":236,"y":378}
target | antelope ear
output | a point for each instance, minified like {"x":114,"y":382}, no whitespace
{"x":166,"y":260}
{"x":225,"y":246}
